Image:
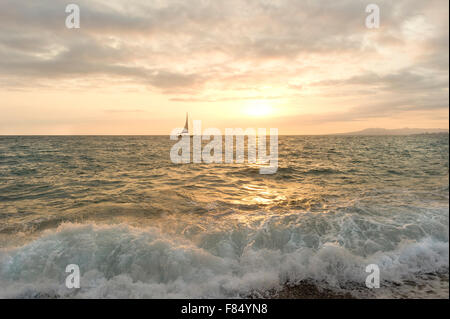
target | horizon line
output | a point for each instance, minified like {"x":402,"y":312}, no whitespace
{"x":328,"y":134}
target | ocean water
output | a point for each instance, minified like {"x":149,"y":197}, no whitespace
{"x":140,"y":226}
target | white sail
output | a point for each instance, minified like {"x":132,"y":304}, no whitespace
{"x":186,"y":126}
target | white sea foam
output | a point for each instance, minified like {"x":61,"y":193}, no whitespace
{"x":120,"y":261}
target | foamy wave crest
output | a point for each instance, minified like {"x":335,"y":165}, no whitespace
{"x":120,"y":261}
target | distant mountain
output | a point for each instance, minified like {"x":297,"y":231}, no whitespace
{"x":400,"y":131}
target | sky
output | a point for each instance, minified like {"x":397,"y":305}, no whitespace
{"x":302,"y":66}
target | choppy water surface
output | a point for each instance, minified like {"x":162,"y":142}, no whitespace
{"x":140,"y":226}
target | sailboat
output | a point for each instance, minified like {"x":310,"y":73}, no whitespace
{"x":185,"y":130}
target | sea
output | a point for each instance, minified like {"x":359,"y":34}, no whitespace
{"x":138,"y":225}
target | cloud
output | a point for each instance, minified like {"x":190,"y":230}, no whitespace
{"x":383,"y":108}
{"x":124,"y":111}
{"x":402,"y":81}
{"x":202,"y":50}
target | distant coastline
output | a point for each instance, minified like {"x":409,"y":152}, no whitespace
{"x":401,"y":131}
{"x":365,"y":132}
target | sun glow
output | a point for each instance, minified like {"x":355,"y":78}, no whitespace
{"x":258,"y":108}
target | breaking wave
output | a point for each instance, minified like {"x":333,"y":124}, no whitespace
{"x":120,"y":261}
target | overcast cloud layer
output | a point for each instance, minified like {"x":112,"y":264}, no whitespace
{"x":204,"y":51}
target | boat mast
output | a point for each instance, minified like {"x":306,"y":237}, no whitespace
{"x":186,"y":125}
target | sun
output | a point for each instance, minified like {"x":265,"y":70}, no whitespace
{"x":258,"y":108}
